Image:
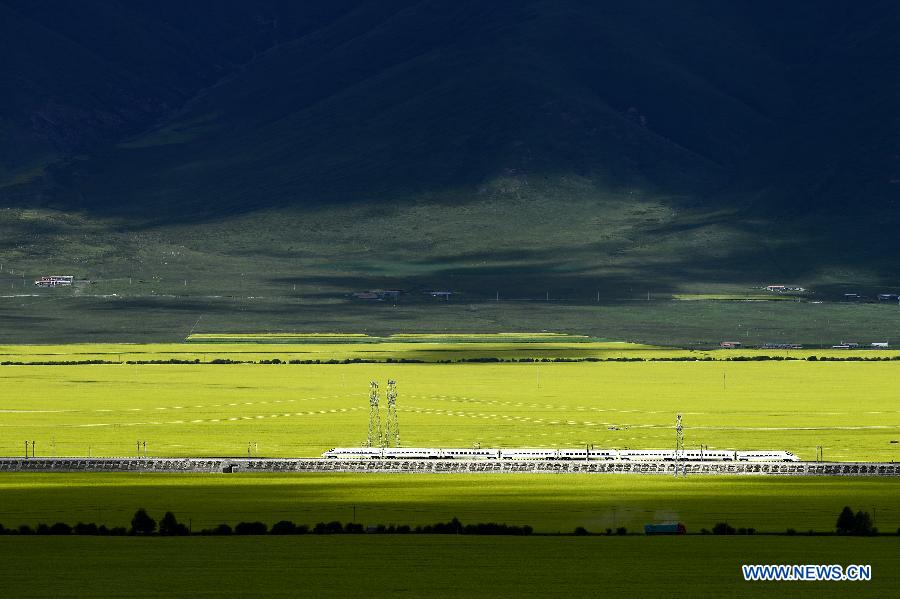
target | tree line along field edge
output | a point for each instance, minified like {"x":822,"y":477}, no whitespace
{"x":419,"y":351}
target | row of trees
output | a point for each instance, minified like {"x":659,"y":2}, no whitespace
{"x":581,"y":531}
{"x":723,"y":528}
{"x":286,"y":527}
{"x":848,"y":523}
{"x":142,"y":524}
{"x":762,"y":358}
{"x":859,"y":524}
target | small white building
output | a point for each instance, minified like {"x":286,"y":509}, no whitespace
{"x":55,"y":281}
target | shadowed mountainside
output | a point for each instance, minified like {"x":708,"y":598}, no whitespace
{"x":185,"y":112}
{"x":592,"y":151}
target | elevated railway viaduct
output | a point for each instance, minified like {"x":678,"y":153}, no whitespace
{"x":236,"y":465}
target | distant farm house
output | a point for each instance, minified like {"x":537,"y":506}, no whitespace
{"x":730,"y":345}
{"x":55,"y":281}
{"x":784,"y":288}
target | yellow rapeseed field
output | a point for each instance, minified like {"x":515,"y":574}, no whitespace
{"x":848,"y":408}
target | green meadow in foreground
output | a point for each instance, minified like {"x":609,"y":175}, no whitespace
{"x":434,"y":566}
{"x":848,"y":408}
{"x":547,"y":502}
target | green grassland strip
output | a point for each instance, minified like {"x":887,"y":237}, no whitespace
{"x":442,"y":567}
{"x":282,"y":337}
{"x":548,"y":503}
{"x":405,"y":338}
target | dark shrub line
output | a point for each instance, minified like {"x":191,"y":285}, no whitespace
{"x":581,"y":531}
{"x":143,"y":525}
{"x":483,"y":360}
{"x":286,"y":527}
{"x":61,"y":528}
{"x":848,"y":523}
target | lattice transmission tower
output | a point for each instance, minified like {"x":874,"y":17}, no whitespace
{"x":679,"y":444}
{"x":374,"y":437}
{"x":392,"y":429}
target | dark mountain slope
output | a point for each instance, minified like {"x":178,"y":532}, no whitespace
{"x":404,"y":99}
{"x":838,"y":152}
{"x":186,"y":112}
{"x":79,"y":75}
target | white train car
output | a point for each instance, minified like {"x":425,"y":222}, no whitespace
{"x":529,"y":454}
{"x":767,"y":456}
{"x":667,"y":455}
{"x":411,"y":453}
{"x":473,"y":454}
{"x":715,"y":455}
{"x":353,"y":453}
{"x":585,"y":454}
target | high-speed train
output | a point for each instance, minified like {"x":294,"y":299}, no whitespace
{"x":646,"y":455}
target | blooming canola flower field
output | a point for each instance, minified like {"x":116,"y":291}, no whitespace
{"x":849,"y":409}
